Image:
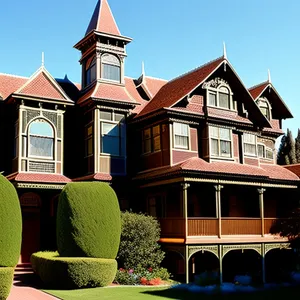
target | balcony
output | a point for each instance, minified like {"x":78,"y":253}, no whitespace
{"x":175,"y":227}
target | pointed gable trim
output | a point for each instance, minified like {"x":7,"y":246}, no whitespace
{"x":52,"y":91}
{"x":258,"y":90}
{"x":103,"y":20}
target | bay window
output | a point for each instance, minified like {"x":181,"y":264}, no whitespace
{"x":220,"y":141}
{"x":151,"y":139}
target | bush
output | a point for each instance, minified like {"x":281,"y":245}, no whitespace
{"x":10,"y":224}
{"x":6,"y":279}
{"x":139,"y":247}
{"x":72,"y":273}
{"x":88,"y":221}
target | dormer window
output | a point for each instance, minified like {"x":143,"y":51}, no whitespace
{"x":111,"y":68}
{"x":219,"y":94}
{"x":90,"y":74}
{"x":265,"y":107}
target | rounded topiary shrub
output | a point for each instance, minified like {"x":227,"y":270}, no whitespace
{"x":6,"y":278}
{"x":10,"y":224}
{"x":88,"y":221}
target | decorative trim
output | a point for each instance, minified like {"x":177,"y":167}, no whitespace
{"x":215,"y":83}
{"x":178,"y":249}
{"x":228,"y":248}
{"x":39,"y":186}
{"x":212,"y":249}
{"x":269,"y":247}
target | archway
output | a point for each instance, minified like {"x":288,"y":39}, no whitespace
{"x":31,"y":215}
{"x":174,"y":262}
{"x":279,"y":263}
{"x":204,"y":261}
{"x":242,"y":262}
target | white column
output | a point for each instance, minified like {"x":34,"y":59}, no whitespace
{"x":218,"y":207}
{"x":186,"y":264}
{"x":261,"y":209}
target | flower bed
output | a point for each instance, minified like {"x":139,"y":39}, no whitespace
{"x":142,"y":276}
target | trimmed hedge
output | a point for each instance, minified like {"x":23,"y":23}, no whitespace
{"x":88,"y":221}
{"x":6,"y":279}
{"x":73,"y":273}
{"x":10,"y":224}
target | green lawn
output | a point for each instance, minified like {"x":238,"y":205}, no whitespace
{"x":137,"y":293}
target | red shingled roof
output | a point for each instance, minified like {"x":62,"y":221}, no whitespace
{"x":96,"y":176}
{"x":106,"y":91}
{"x":295,"y":168}
{"x":178,"y":88}
{"x":38,"y":177}
{"x":256,"y":91}
{"x":103,"y":20}
{"x":153,"y":85}
{"x":10,"y":83}
{"x":195,"y":164}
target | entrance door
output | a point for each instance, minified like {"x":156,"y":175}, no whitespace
{"x":31,"y":206}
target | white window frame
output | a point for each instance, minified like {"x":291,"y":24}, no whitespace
{"x":264,"y":101}
{"x":219,"y":139}
{"x":264,"y":150}
{"x":177,"y":146}
{"x":255,"y":144}
{"x":216,"y":87}
{"x":113,"y":121}
{"x":111,"y":63}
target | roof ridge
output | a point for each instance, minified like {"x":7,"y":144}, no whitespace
{"x":16,"y":76}
{"x":257,"y":85}
{"x":196,"y":69}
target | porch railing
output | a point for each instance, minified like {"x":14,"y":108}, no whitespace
{"x":241,"y":226}
{"x":175,"y":227}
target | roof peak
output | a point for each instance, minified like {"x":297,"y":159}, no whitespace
{"x":103,"y":20}
{"x":194,"y":70}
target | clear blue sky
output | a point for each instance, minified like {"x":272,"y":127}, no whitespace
{"x":171,"y":36}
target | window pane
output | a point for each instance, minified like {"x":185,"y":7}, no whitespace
{"x":249,"y":138}
{"x":41,"y":146}
{"x":265,"y":112}
{"x":110,"y":129}
{"x":156,"y":143}
{"x":111,"y":72}
{"x":214,"y":147}
{"x":181,"y":129}
{"x":147,"y":146}
{"x":269,"y":154}
{"x":156,"y":130}
{"x":224,"y":100}
{"x":214,"y":131}
{"x":212,"y":99}
{"x":225,"y":148}
{"x":106,"y":115}
{"x":89,"y":150}
{"x":261,"y":151}
{"x":225,"y":134}
{"x":250,"y":149}
{"x":181,"y":141}
{"x":119,"y":117}
{"x":41,"y":128}
{"x":111,"y":145}
{"x":147,"y":133}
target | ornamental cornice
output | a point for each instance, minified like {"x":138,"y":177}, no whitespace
{"x":269,"y":247}
{"x":39,"y":186}
{"x":215,"y":83}
{"x":194,"y":249}
{"x":228,"y":248}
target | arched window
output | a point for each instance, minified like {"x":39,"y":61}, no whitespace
{"x":90,"y":74}
{"x":111,"y":68}
{"x":265,"y":107}
{"x":219,"y":94}
{"x":41,"y":139}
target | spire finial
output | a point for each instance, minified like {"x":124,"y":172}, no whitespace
{"x":143,"y":69}
{"x":43,"y":59}
{"x":269,"y":76}
{"x":224,"y":51}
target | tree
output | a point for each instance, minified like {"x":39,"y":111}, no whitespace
{"x":287,"y":150}
{"x":297,"y":145}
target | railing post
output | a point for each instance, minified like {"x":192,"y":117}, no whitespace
{"x":218,"y":207}
{"x":261,"y":208}
{"x":185,"y":186}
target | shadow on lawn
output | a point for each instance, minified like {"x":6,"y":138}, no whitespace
{"x":259,"y":295}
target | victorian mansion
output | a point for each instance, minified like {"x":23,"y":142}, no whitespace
{"x":197,"y":152}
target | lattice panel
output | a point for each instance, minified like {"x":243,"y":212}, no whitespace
{"x":59,"y":126}
{"x":31,"y":114}
{"x":43,"y":167}
{"x":51,"y":116}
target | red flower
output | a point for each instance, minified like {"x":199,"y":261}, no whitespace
{"x":150,"y":269}
{"x":144,"y":281}
{"x":121,"y":269}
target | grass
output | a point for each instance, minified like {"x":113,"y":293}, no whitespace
{"x":136,"y":293}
